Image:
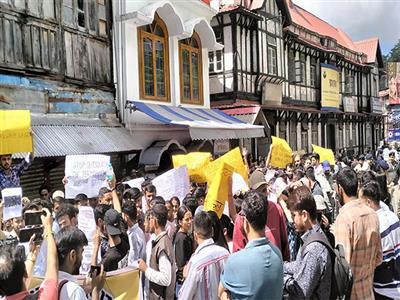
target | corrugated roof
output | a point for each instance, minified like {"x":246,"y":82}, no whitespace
{"x":64,"y":135}
{"x":369,"y":47}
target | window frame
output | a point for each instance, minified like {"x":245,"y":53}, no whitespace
{"x":154,"y":38}
{"x":272,"y":64}
{"x":191,"y":50}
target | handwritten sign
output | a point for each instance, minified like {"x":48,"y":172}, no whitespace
{"x":15,"y":131}
{"x":86,"y":174}
{"x":194,"y":161}
{"x":135,"y":183}
{"x":281,"y":153}
{"x":173,"y":183}
{"x":87,"y":224}
{"x":217,"y":193}
{"x":324,"y":154}
{"x":12,"y":198}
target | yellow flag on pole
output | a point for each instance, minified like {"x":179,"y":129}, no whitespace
{"x":281,"y":153}
{"x":195,"y":162}
{"x":324,"y":154}
{"x":15,"y":131}
{"x":218,"y":189}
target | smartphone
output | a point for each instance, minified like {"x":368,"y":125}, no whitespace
{"x":33,"y":218}
{"x":26,"y":233}
{"x":94,"y":268}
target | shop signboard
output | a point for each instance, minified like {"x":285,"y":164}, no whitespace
{"x":394,"y":135}
{"x":377,"y":105}
{"x":350,"y":104}
{"x":330,"y":96}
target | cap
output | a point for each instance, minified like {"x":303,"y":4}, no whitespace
{"x":58,"y":194}
{"x":383,"y":164}
{"x":112,"y":220}
{"x":369,"y":156}
{"x":257,"y":179}
{"x":326,"y":166}
{"x":320,"y":202}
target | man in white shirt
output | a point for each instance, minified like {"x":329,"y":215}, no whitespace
{"x":205,"y":265}
{"x":137,"y":239}
{"x":70,"y":242}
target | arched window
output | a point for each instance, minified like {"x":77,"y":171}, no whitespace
{"x":191,"y":70}
{"x":153,"y":61}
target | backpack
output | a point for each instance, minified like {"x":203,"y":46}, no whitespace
{"x":342,"y":276}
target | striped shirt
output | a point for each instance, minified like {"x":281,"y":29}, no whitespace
{"x":357,"y":229}
{"x":204,"y":271}
{"x":387,"y":275}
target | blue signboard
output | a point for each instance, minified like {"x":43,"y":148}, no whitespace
{"x":394,"y":135}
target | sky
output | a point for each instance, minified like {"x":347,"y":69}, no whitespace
{"x":360,"y":19}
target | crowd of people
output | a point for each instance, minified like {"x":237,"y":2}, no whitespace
{"x":285,"y":238}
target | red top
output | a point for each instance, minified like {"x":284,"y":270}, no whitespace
{"x":48,"y":290}
{"x":275,"y":231}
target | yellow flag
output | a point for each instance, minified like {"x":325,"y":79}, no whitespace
{"x":281,"y":153}
{"x":235,"y":160}
{"x":15,"y":131}
{"x":218,"y":187}
{"x":195,"y":162}
{"x":122,"y":286}
{"x":324,"y":154}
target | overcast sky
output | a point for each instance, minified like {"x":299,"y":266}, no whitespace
{"x":360,"y":19}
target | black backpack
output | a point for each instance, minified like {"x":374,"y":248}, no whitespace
{"x":342,"y":276}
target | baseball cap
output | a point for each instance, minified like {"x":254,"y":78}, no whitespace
{"x":257,"y":179}
{"x":58,"y":194}
{"x":112,"y":220}
{"x":326,"y":166}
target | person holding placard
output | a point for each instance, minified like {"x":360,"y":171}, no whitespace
{"x":9,"y":174}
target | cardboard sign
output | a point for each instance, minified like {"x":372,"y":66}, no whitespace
{"x":195,"y":163}
{"x":86,"y":174}
{"x":12,"y":198}
{"x":281,"y":153}
{"x":174,"y":183}
{"x":324,"y":154}
{"x":135,"y":183}
{"x":15,"y":131}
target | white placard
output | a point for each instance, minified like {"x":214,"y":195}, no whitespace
{"x":85,"y":174}
{"x":135,"y":183}
{"x":12,"y":207}
{"x":87,"y":224}
{"x":175,"y":182}
{"x":238,"y":184}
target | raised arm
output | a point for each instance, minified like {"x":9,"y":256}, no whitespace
{"x":52,"y":258}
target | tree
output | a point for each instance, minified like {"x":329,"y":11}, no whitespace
{"x":394,"y":54}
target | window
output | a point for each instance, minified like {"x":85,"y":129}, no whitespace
{"x":272,"y":64}
{"x":313,"y":75}
{"x":81,"y":13}
{"x":153,"y":61}
{"x":215,"y":58}
{"x":191,"y":70}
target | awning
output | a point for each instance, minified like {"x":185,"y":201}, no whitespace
{"x":60,"y":135}
{"x":203,"y":123}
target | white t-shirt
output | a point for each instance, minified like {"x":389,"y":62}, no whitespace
{"x":71,"y":290}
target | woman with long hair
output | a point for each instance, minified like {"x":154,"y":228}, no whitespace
{"x":183,"y":243}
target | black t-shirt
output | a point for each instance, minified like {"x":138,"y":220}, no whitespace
{"x":115,"y":254}
{"x":183,"y":245}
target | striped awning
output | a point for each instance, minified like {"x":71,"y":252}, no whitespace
{"x":202,"y":123}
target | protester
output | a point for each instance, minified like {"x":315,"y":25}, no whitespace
{"x":206,"y":264}
{"x":387,"y":275}
{"x":137,"y":239}
{"x":161,"y":270}
{"x":70,"y":242}
{"x":9,"y":174}
{"x":357,"y":229}
{"x":67,"y":215}
{"x":255,"y":272}
{"x":309,"y":276}
{"x":315,"y":163}
{"x":183,"y":243}
{"x":175,"y":206}
{"x":14,"y":273}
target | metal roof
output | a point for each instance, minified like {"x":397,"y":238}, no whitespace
{"x":66,"y":135}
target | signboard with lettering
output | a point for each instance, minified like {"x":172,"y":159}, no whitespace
{"x":330,"y":97}
{"x":394,"y":82}
{"x":394,"y":135}
{"x":350,"y":104}
{"x":377,"y":105}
